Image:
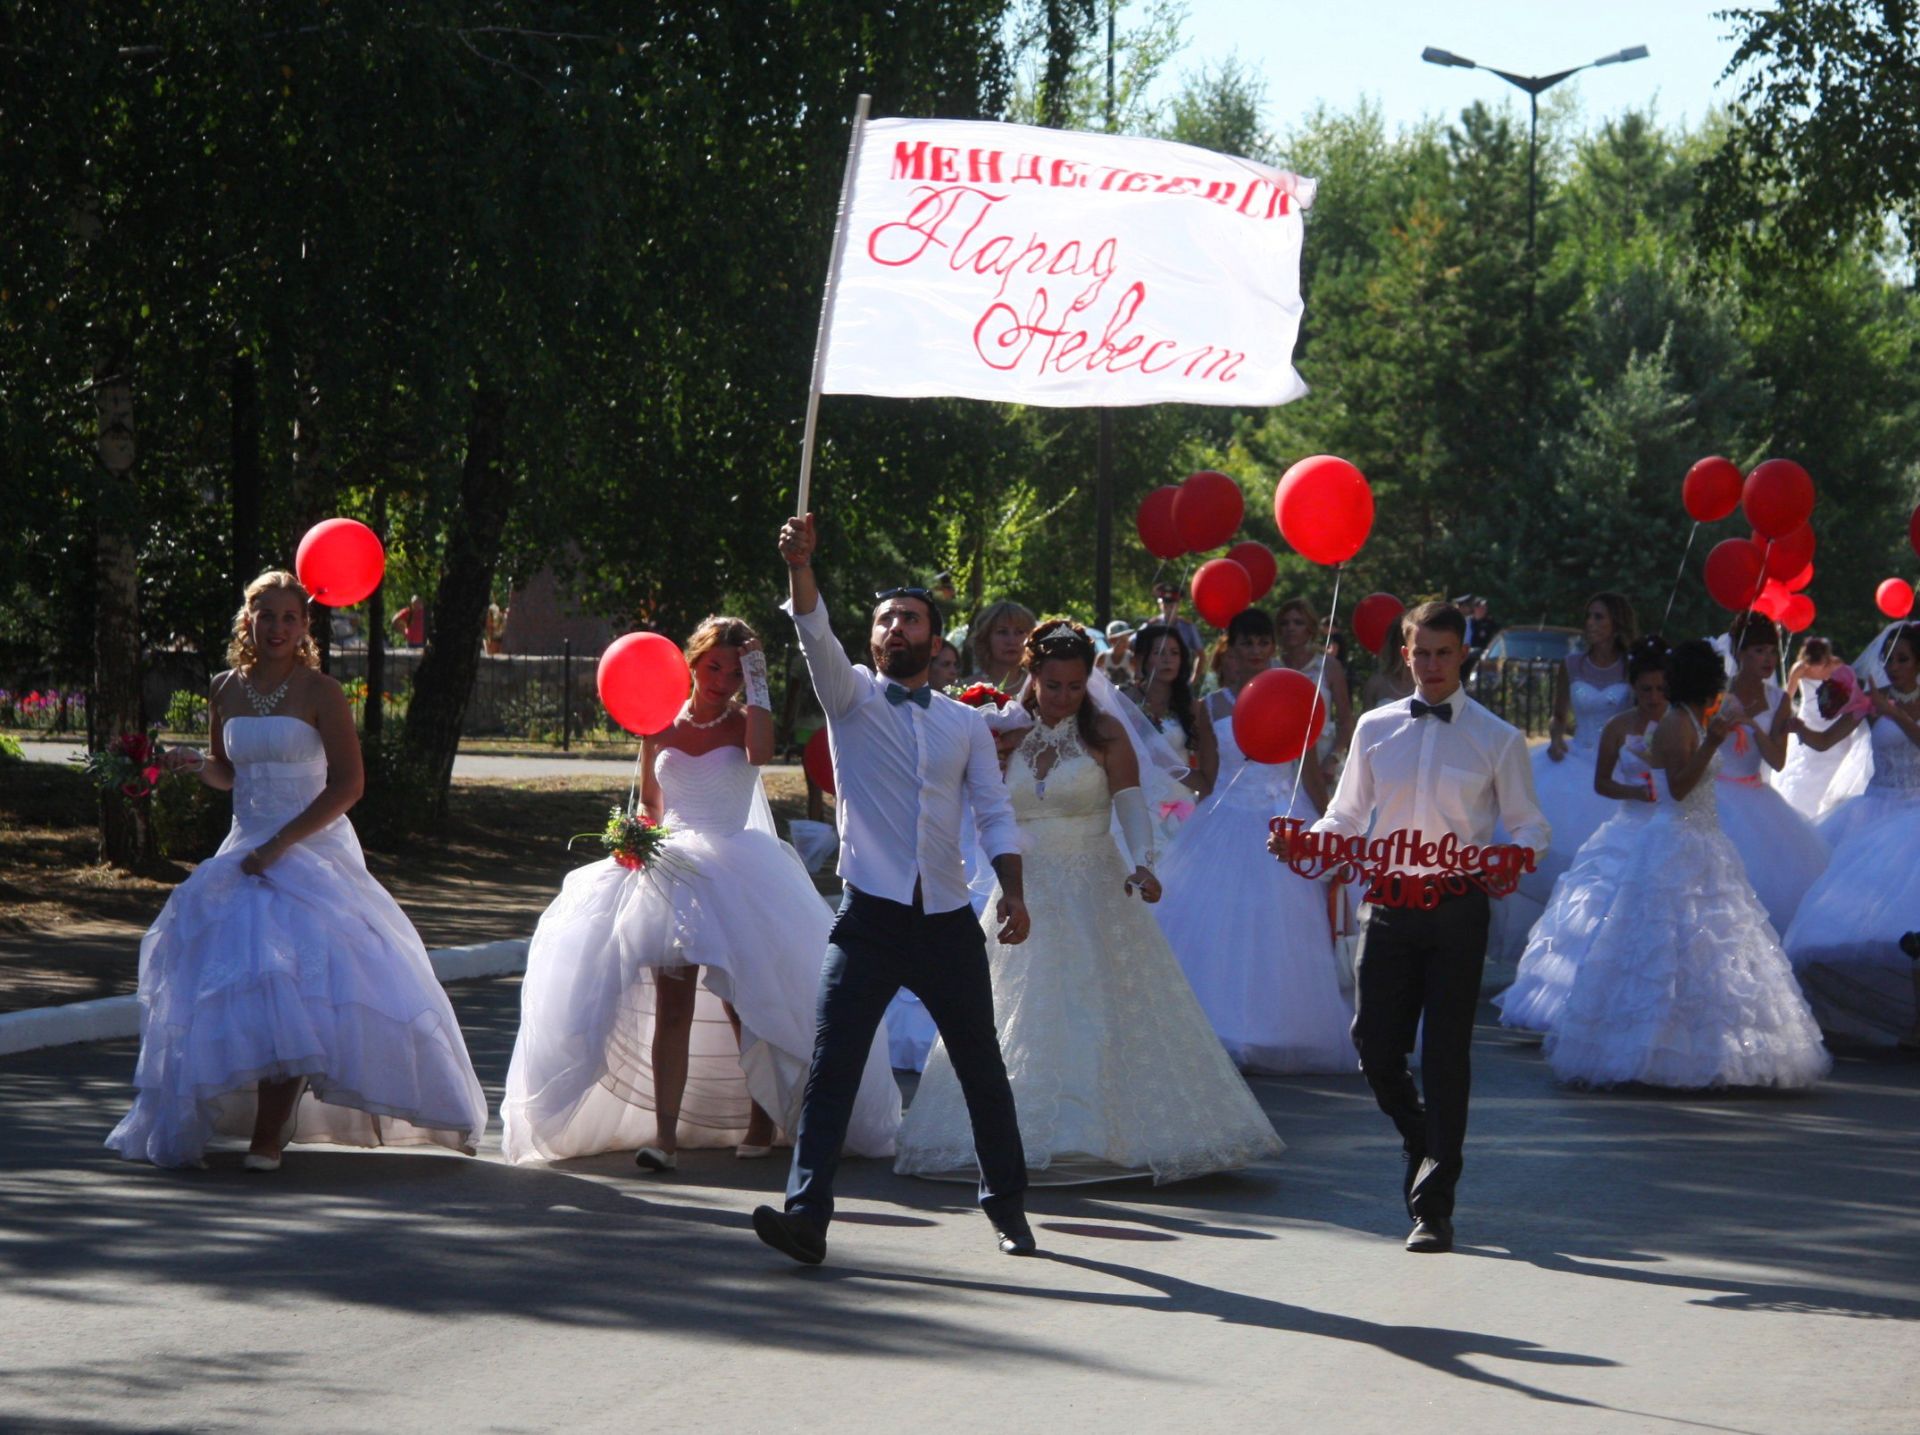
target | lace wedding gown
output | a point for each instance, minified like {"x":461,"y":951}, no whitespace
{"x":1581,"y":900}
{"x":309,"y":970}
{"x":1253,"y":937}
{"x":1115,"y":1071}
{"x":727,"y":896}
{"x":1845,"y":940}
{"x":1684,"y":983}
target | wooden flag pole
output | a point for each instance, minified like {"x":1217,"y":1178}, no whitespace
{"x":826,"y":303}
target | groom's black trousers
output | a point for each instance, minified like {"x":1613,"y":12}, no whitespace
{"x":1417,"y":964}
{"x":876,"y":947}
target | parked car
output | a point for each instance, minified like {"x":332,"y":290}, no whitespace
{"x":1514,"y":676}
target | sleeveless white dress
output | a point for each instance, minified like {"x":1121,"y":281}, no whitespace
{"x":1845,"y":940}
{"x":1565,"y":788}
{"x":1808,"y":773}
{"x":1783,"y":853}
{"x":1115,"y":1071}
{"x":310,"y":970}
{"x":1581,"y":899}
{"x":727,"y":896}
{"x":1254,"y":938}
{"x":1684,"y":983}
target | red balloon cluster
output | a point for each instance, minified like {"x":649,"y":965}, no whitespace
{"x":1259,"y":562}
{"x":1767,"y":571}
{"x":816,"y":760}
{"x":1278,"y":716}
{"x":1777,"y":497}
{"x":1786,"y":556}
{"x":1894,"y":597}
{"x":1221,"y":589}
{"x":1711,"y":490}
{"x":1734,"y":569}
{"x":1155,"y":523}
{"x":1374,"y":618}
{"x":643,"y":680}
{"x":340,"y":562}
{"x":1324,"y":507}
{"x":1201,"y":513}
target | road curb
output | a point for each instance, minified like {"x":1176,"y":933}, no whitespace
{"x":113,"y":1018}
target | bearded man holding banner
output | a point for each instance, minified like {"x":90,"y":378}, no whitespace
{"x":904,"y":758}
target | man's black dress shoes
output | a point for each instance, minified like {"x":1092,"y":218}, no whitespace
{"x":1431,"y":1236}
{"x":1016,"y":1236}
{"x":791,"y":1235}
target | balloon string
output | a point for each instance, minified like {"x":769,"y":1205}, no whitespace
{"x":1319,"y":686}
{"x":633,"y":788}
{"x":1680,"y":573}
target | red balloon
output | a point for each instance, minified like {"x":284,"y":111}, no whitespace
{"x":1711,"y":490}
{"x":1221,"y":588}
{"x":1894,"y":597}
{"x":340,"y":562}
{"x":1278,"y":716}
{"x":1787,"y":556}
{"x":1155,"y":522}
{"x":1913,"y":529}
{"x":1778,"y":497}
{"x":1773,"y":599}
{"x":1800,"y":579}
{"x":1206,"y":510}
{"x":1374,"y":618}
{"x":643,"y":680}
{"x":1257,"y":559}
{"x":1796,"y":614}
{"x":1733,"y":573}
{"x":1324,"y":508}
{"x":816,"y":758}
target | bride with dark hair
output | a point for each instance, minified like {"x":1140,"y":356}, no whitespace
{"x":1115,"y":1069}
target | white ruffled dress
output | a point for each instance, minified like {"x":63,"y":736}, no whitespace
{"x":309,"y":970}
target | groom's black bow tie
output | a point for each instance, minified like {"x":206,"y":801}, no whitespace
{"x":1439,"y":710}
{"x":919,"y":697}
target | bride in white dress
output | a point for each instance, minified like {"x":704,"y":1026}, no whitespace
{"x":1115,"y":1071}
{"x":283,"y":995}
{"x":1684,"y":983}
{"x":1845,"y":941}
{"x":1808,"y":772}
{"x":1587,"y":889}
{"x":673,"y":1005}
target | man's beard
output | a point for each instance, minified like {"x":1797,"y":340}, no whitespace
{"x":903,"y":663}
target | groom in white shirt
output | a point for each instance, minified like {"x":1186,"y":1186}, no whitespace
{"x":904,"y":757}
{"x":1437,"y":763}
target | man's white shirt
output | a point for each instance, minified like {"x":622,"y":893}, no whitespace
{"x":912,"y":783}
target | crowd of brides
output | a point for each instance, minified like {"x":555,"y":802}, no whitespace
{"x":1731,"y":870}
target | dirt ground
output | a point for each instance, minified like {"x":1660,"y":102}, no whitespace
{"x":70,"y":927}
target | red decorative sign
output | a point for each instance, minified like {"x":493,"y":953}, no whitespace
{"x":1448,"y":866}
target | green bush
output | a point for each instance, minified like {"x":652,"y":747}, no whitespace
{"x":399,"y":796}
{"x":190,"y":819}
{"x":187,"y":711}
{"x":10,"y":749}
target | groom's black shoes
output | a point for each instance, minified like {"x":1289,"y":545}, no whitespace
{"x":1016,"y":1236}
{"x":1431,"y":1236}
{"x":791,"y":1235}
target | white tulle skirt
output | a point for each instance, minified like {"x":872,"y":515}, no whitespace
{"x":743,"y":910}
{"x":1573,"y":810}
{"x":309,"y":971}
{"x":1684,"y":983}
{"x":1115,"y":1071}
{"x":1256,"y":940}
{"x":1809,"y":773}
{"x":1845,"y":941}
{"x":1581,"y":902}
{"x":1783,"y":853}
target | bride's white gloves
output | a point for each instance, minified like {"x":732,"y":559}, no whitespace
{"x":1130,"y":806}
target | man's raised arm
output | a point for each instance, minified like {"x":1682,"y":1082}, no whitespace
{"x":833,"y":681}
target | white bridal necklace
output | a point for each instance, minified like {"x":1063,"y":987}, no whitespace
{"x":263,"y":706}
{"x":692,"y":721}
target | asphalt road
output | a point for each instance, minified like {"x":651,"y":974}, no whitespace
{"x":1628,"y":1263}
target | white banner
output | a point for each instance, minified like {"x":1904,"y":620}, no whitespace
{"x":1053,"y":267}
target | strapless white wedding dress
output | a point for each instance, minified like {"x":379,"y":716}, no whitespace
{"x":727,"y":896}
{"x":1115,"y":1071}
{"x":1845,"y":939}
{"x":1565,"y":788}
{"x":309,"y":970}
{"x":1684,"y":983}
{"x":1783,"y":853}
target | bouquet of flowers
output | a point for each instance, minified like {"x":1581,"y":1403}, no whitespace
{"x":1842,"y":693}
{"x":979,"y":695}
{"x":631,"y":838}
{"x":130,"y":764}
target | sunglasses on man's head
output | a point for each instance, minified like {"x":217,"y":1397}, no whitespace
{"x":924,"y":595}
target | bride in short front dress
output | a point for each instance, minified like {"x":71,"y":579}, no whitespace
{"x":1115,"y":1069}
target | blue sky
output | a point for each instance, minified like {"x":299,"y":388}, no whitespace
{"x":1338,"y":52}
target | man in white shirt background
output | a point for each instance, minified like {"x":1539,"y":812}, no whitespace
{"x":1435,"y":763}
{"x":908,"y":762}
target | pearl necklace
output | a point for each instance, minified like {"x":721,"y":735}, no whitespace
{"x":692,"y":721}
{"x":264,"y":706}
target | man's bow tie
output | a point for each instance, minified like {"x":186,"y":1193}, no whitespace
{"x":1439,"y":710}
{"x":920,"y":697}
